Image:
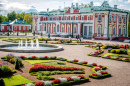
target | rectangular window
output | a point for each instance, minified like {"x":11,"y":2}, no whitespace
{"x":19,"y":27}
{"x":15,"y":28}
{"x":62,"y":18}
{"x":114,"y":17}
{"x":40,"y":27}
{"x":23,"y":28}
{"x":28,"y":27}
{"x":62,"y":29}
{"x":74,"y":29}
{"x":2,"y":27}
{"x":99,"y":30}
{"x":48,"y":18}
{"x":71,"y":18}
{"x":76,"y":18}
{"x":53,"y":29}
{"x":88,"y":17}
{"x":8,"y":27}
{"x":114,"y":31}
{"x":110,"y":18}
{"x":99,"y":17}
{"x":123,"y":31}
{"x":85,"y":30}
{"x":68,"y":29}
{"x":90,"y":30}
{"x":67,"y":18}
{"x":82,"y":17}
{"x":120,"y":19}
{"x":35,"y":19}
{"x":124,"y":19}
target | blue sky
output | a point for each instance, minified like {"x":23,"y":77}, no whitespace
{"x":41,"y":5}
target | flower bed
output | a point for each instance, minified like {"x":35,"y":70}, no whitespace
{"x":96,"y":69}
{"x":96,"y":53}
{"x":5,"y":70}
{"x":116,"y":58}
{"x":12,"y":59}
{"x":111,"y":46}
{"x":41,"y":67}
{"x":62,"y":81}
{"x":117,"y":51}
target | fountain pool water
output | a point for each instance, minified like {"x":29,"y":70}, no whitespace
{"x":30,"y":47}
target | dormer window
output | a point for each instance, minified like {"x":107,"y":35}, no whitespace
{"x":120,"y":19}
{"x":99,"y":17}
{"x":88,"y":17}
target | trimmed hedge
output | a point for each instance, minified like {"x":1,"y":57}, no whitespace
{"x":101,"y":76}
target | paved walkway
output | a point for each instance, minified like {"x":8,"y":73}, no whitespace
{"x":120,"y":70}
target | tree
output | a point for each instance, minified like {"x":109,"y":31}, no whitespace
{"x":28,"y":18}
{"x":11,"y":16}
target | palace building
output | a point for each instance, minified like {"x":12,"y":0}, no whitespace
{"x":100,"y":22}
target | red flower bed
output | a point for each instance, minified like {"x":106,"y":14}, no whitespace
{"x":46,"y":56}
{"x":56,"y":81}
{"x":122,"y":46}
{"x":34,"y":57}
{"x":117,"y":57}
{"x":41,"y":67}
{"x":94,"y":74}
{"x":75,"y":60}
{"x":81,"y":76}
{"x":22,"y":57}
{"x":23,"y":85}
{"x":69,"y":79}
{"x":40,"y":84}
{"x":126,"y":59}
{"x":94,"y":64}
{"x":85,"y":62}
{"x":103,"y":72}
{"x":99,"y":66}
{"x":96,"y":69}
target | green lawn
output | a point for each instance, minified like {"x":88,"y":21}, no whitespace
{"x":16,"y":80}
{"x":128,"y":51}
{"x":38,"y":61}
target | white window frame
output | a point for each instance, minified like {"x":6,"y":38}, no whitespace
{"x":15,"y":28}
{"x":71,"y":17}
{"x":63,"y":28}
{"x":75,"y":29}
{"x":76,"y":17}
{"x":114,"y":18}
{"x":67,"y":18}
{"x":8,"y":27}
{"x":68,"y":28}
{"x":114,"y":31}
{"x":88,"y":18}
{"x":124,"y":29}
{"x":110,"y":18}
{"x":57,"y":18}
{"x":2,"y":28}
{"x":99,"y":17}
{"x":82,"y":18}
{"x":99,"y":26}
{"x":19,"y":27}
{"x":54,"y":29}
{"x":44,"y":28}
{"x":124,"y":19}
{"x":24,"y":28}
{"x":120,"y":19}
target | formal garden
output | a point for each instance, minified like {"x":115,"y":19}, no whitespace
{"x":22,"y":70}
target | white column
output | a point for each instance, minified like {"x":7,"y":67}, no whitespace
{"x":65,"y":27}
{"x":93,"y":25}
{"x":106,"y":25}
{"x":38,"y":27}
{"x":71,"y":28}
{"x":51,"y":28}
{"x":117,"y":25}
{"x":127,"y":24}
{"x":79,"y":28}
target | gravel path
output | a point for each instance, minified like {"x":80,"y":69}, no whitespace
{"x":119,"y":70}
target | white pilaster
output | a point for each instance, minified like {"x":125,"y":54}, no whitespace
{"x":127,"y":24}
{"x":71,"y":28}
{"x":38,"y":27}
{"x":117,"y":25}
{"x":106,"y":25}
{"x":51,"y":28}
{"x":79,"y":28}
{"x":65,"y":27}
{"x":46,"y":27}
{"x":93,"y":25}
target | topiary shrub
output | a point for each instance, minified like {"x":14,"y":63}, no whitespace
{"x":2,"y":82}
{"x":118,"y":51}
{"x":17,"y":66}
{"x":113,"y":51}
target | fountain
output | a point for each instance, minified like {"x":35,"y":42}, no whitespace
{"x":30,"y":47}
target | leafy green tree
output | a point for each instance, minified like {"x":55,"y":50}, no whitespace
{"x":11,"y":16}
{"x":28,"y":18}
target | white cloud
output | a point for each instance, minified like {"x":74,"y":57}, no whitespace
{"x":120,"y":0}
{"x":97,"y":4}
{"x":127,"y":2}
{"x":110,"y":1}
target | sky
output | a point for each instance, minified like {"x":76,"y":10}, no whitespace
{"x":7,"y":6}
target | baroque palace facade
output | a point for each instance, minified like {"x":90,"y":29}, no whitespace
{"x":102,"y":22}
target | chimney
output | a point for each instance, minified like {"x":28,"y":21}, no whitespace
{"x":47,"y":10}
{"x":76,"y":5}
{"x":115,"y":6}
{"x":15,"y":20}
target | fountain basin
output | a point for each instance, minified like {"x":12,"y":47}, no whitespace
{"x":43,"y":48}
